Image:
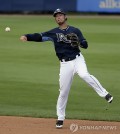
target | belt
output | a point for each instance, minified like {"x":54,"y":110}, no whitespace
{"x":69,"y":59}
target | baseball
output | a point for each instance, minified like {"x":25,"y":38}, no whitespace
{"x":7,"y":29}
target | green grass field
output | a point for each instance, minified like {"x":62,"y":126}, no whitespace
{"x":29,"y":71}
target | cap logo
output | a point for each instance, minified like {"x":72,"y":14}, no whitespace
{"x":58,"y":10}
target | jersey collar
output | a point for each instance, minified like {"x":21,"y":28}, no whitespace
{"x":64,"y":29}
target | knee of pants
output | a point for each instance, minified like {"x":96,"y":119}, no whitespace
{"x":63,"y":94}
{"x":84,"y":75}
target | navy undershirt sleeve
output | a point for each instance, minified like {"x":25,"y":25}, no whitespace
{"x":34,"y":37}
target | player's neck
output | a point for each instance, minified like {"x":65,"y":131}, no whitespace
{"x":63,"y":26}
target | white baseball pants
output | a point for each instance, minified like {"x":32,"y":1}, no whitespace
{"x":67,"y":71}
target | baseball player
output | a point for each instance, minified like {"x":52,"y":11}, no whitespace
{"x":68,"y":41}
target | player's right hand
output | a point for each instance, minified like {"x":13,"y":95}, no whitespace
{"x":23,"y":38}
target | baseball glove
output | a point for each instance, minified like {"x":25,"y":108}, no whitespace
{"x":73,"y":38}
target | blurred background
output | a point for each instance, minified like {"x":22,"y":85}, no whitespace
{"x":48,"y":6}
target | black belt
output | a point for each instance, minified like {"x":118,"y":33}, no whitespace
{"x":69,"y":59}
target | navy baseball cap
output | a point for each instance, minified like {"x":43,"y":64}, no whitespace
{"x":58,"y":11}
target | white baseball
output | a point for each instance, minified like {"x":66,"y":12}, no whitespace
{"x":7,"y":29}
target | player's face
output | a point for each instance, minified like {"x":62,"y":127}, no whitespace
{"x":60,"y":18}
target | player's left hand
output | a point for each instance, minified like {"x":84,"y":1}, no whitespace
{"x":74,"y":39}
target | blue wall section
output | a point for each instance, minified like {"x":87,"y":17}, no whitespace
{"x":27,"y":5}
{"x":98,"y":5}
{"x":37,"y":5}
{"x":68,"y":5}
{"x":5,"y":5}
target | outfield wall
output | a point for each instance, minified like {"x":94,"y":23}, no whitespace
{"x":109,"y":6}
{"x":36,"y":5}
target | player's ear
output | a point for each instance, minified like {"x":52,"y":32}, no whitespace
{"x":65,"y":17}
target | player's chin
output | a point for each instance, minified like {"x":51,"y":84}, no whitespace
{"x":60,"y":22}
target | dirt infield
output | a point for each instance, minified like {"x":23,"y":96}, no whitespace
{"x":27,"y":125}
